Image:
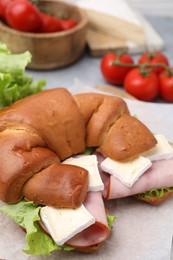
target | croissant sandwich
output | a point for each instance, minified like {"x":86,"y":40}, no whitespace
{"x":56,"y":191}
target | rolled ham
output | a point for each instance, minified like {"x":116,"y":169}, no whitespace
{"x":90,"y":239}
{"x":160,"y":175}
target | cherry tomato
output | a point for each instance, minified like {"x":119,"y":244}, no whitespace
{"x":3,"y":5}
{"x":166,"y":85}
{"x":142,"y":86}
{"x":49,"y":23}
{"x":154,"y":57}
{"x":68,"y":23}
{"x":23,"y":16}
{"x":115,"y":74}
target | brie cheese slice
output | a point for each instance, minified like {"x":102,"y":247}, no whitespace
{"x":63,"y":224}
{"x":127,"y":172}
{"x":162,"y":151}
{"x":89,"y":162}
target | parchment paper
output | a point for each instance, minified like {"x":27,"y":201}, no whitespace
{"x":141,"y":231}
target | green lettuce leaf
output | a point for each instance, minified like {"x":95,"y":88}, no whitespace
{"x":14,"y":82}
{"x":110,"y":220}
{"x":4,"y":49}
{"x":88,"y":150}
{"x":26,"y":214}
{"x":14,"y":64}
{"x":155,"y":192}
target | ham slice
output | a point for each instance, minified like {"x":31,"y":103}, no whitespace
{"x":160,"y":175}
{"x":92,"y":237}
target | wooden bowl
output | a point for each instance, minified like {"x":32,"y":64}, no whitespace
{"x":50,"y":50}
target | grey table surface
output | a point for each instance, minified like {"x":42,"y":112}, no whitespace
{"x":87,"y":68}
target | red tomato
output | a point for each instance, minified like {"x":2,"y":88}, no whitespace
{"x":23,"y":16}
{"x":166,"y":85}
{"x":3,"y":5}
{"x":154,"y":57}
{"x":50,"y":23}
{"x":143,"y":87}
{"x":115,"y":74}
{"x":68,"y":23}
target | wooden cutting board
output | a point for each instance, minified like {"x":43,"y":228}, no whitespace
{"x":100,"y":42}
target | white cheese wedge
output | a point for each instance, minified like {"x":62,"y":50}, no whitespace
{"x":113,"y":17}
{"x":116,"y":8}
{"x":63,"y":224}
{"x":89,"y":162}
{"x":162,"y":151}
{"x":127,"y":172}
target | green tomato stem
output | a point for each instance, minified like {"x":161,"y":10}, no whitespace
{"x":156,"y":65}
{"x":119,"y":63}
{"x":144,"y":68}
{"x":170,"y":73}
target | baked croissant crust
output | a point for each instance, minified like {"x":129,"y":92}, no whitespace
{"x":39,"y":131}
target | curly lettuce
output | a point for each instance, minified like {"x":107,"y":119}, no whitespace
{"x":88,"y":151}
{"x":155,"y":192}
{"x":110,"y":220}
{"x":14,"y":82}
{"x":26,"y":214}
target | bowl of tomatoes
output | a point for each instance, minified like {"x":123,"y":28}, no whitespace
{"x":54,"y":32}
